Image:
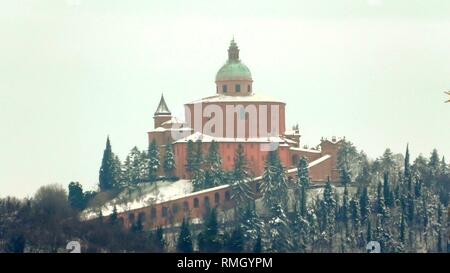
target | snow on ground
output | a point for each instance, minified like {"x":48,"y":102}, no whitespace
{"x":144,"y":195}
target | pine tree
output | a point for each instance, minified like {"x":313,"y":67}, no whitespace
{"x":345,"y":177}
{"x":109,"y":177}
{"x":251,"y":224}
{"x":113,"y":218}
{"x":328,"y":209}
{"x":364,"y":177}
{"x":235,"y":243}
{"x":380,"y":206}
{"x":184,"y":242}
{"x":355,"y":214}
{"x":274,"y":182}
{"x":387,"y":161}
{"x":169,"y":162}
{"x":76,"y":196}
{"x":434,"y":164}
{"x":278,"y":230}
{"x":208,"y":239}
{"x":134,"y":170}
{"x":157,"y":240}
{"x":154,"y":161}
{"x":215,"y":175}
{"x":198,"y":176}
{"x":190,"y":159}
{"x":402,"y":232}
{"x":438,"y":228}
{"x":242,"y":192}
{"x":257,"y":248}
{"x":345,"y":209}
{"x":303,"y":184}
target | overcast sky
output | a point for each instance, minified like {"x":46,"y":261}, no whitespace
{"x":72,"y":72}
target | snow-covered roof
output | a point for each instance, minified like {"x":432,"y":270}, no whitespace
{"x":207,"y":138}
{"x":248,"y":98}
{"x":161,"y":191}
{"x":164,"y":191}
{"x":173,"y":120}
{"x":312,"y":163}
{"x":162,"y":129}
{"x":305,"y":150}
{"x":292,"y":133}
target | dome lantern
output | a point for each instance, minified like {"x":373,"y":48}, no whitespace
{"x":234,"y":77}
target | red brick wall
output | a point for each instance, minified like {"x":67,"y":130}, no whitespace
{"x":173,"y":212}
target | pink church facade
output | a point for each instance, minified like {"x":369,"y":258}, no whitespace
{"x":236,"y":115}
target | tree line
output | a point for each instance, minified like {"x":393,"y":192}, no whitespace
{"x":399,"y":203}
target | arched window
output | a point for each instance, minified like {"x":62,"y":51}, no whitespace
{"x":249,"y":88}
{"x":224,"y":88}
{"x":175,"y":209}
{"x":238,"y":88}
{"x":141,"y":217}
{"x":206,"y":201}
{"x":217,"y":198}
{"x":196,"y":202}
{"x":294,"y":160}
{"x":153,"y":213}
{"x":227,"y":196}
{"x":165,"y":211}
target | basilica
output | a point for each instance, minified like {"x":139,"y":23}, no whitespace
{"x":236,"y":114}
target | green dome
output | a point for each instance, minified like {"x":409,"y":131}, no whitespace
{"x":233,"y":70}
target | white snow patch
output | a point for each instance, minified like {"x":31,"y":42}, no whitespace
{"x":146,"y":195}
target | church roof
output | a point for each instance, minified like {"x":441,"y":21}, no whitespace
{"x":207,"y":138}
{"x":162,"y":108}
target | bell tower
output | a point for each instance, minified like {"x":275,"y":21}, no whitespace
{"x":162,"y":113}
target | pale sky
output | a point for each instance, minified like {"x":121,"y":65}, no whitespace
{"x":72,"y":72}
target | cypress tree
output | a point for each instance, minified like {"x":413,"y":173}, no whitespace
{"x":369,"y":231}
{"x":108,"y":175}
{"x":113,"y":219}
{"x":190,"y":159}
{"x":402,"y":232}
{"x":242,"y":192}
{"x":364,"y":203}
{"x":303,"y":184}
